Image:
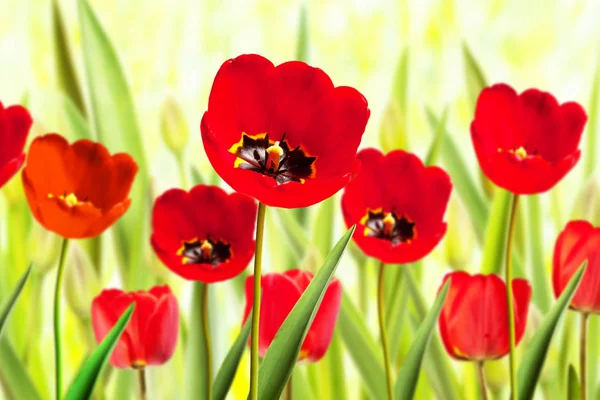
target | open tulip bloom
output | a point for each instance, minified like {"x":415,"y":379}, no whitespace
{"x":398,"y":206}
{"x":525,"y":143}
{"x":77,"y":191}
{"x":205,"y":234}
{"x":15,"y":123}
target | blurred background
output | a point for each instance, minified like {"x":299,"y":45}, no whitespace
{"x":136,"y":75}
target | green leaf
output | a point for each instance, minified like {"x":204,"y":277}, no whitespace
{"x":76,"y":125}
{"x":362,"y":347}
{"x":573,"y":388}
{"x":83,"y":384}
{"x":65,"y":69}
{"x":463,"y":181}
{"x":393,"y":129}
{"x":438,"y":370}
{"x":592,"y":128}
{"x":15,"y":380}
{"x":408,"y":376}
{"x":474,"y":76}
{"x":280,"y":359}
{"x":294,"y":232}
{"x":334,"y":363}
{"x":537,"y":349}
{"x":302,"y":49}
{"x":494,"y":250}
{"x":194,"y":378}
{"x":12,"y":299}
{"x":115,"y":124}
{"x":230,"y":364}
{"x":541,"y":296}
{"x":434,"y":149}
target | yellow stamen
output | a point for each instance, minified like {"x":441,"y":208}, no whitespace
{"x":206,"y":249}
{"x":388,"y":224}
{"x":274,"y":154}
{"x":521,"y":152}
{"x":71,"y":199}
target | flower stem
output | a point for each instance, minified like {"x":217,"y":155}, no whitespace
{"x":207,"y":349}
{"x":289,"y":389}
{"x":582,"y":356}
{"x":57,"y":345}
{"x":481,"y":379}
{"x":260,"y":225}
{"x":142,"y":381}
{"x":509,"y":298}
{"x":383,"y":333}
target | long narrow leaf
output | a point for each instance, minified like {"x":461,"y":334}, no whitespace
{"x":474,"y":76}
{"x":8,"y":305}
{"x":573,"y":388}
{"x":494,"y":250}
{"x":541,"y":295}
{"x":393,"y":129}
{"x":302,"y":47}
{"x":436,"y":144}
{"x":592,"y":128}
{"x":15,"y":380}
{"x":116,"y":126}
{"x":463,"y":181}
{"x":406,"y":383}
{"x":194,"y":379}
{"x":362,"y":347}
{"x":280,"y":359}
{"x":535,"y":353}
{"x":230,"y":364}
{"x":83,"y":384}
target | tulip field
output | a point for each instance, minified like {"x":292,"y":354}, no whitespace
{"x":299,"y":200}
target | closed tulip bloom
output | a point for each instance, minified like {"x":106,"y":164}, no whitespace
{"x":280,"y":292}
{"x":578,"y":242}
{"x":151,"y":334}
{"x":284,"y":134}
{"x":76,"y":190}
{"x":526,"y":143}
{"x":474,"y":319}
{"x":398,"y":205}
{"x":205,"y":234}
{"x":15,"y":123}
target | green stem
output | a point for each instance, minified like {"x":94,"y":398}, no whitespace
{"x":382,"y":331}
{"x":207,"y":343}
{"x":142,"y":382}
{"x":509,"y":298}
{"x":289,"y":389}
{"x":481,"y":379}
{"x":57,"y":292}
{"x":582,"y":356}
{"x":182,"y":171}
{"x":260,"y":225}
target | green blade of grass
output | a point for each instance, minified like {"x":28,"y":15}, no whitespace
{"x":592,"y":129}
{"x":8,"y":305}
{"x":393,"y":129}
{"x":15,"y":380}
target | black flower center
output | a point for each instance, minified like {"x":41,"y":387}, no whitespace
{"x":205,"y":252}
{"x":273,"y":158}
{"x":389,"y":227}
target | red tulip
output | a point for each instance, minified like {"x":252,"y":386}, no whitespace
{"x":578,"y":242}
{"x":526,"y":143}
{"x":398,"y":205}
{"x":283,"y":135}
{"x":204,"y":234}
{"x":151,"y":335}
{"x":474,"y":319}
{"x":15,"y":123}
{"x":280,"y":292}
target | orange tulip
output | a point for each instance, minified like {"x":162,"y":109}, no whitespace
{"x":76,"y":190}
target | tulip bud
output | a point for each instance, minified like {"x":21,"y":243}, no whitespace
{"x":459,"y":237}
{"x":44,"y":247}
{"x":82,"y":282}
{"x":173,"y":126}
{"x":586,"y":204}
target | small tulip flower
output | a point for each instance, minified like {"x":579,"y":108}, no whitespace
{"x":284,"y":134}
{"x":76,"y":190}
{"x":578,"y":242}
{"x":280,"y":292}
{"x":151,"y":334}
{"x":398,"y":205}
{"x":473,"y":321}
{"x":15,"y":123}
{"x":526,"y":143}
{"x":205,"y":234}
